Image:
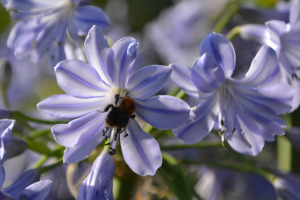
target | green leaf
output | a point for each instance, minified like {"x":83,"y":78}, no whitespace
{"x":175,"y":178}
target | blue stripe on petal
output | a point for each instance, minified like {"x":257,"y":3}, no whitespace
{"x":148,"y":80}
{"x":79,"y":131}
{"x":140,"y":150}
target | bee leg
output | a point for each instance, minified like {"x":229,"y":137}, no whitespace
{"x":117,"y":98}
{"x":112,"y":151}
{"x":105,"y":131}
{"x":132,"y":116}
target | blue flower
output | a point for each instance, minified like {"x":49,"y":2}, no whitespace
{"x":287,"y":186}
{"x":99,"y":183}
{"x":26,"y":187}
{"x":284,"y":39}
{"x":106,"y":81}
{"x":44,"y":24}
{"x":244,"y":112}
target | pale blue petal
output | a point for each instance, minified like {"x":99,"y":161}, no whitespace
{"x":291,"y":47}
{"x":206,"y":115}
{"x":80,"y":80}
{"x":121,"y":59}
{"x":207,"y":75}
{"x":276,"y":29}
{"x":181,"y":76}
{"x":256,"y":32}
{"x":221,"y":49}
{"x":28,"y":178}
{"x":148,"y":80}
{"x":163,"y":112}
{"x":96,"y":50}
{"x":6,"y":127}
{"x":296,"y":99}
{"x":263,"y":114}
{"x":140,"y":150}
{"x":37,"y":191}
{"x":295,"y":13}
{"x":67,"y":106}
{"x":277,"y":97}
{"x":79,"y":131}
{"x":84,"y":18}
{"x":261,"y":68}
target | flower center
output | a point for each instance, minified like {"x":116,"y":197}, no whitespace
{"x":118,"y":117}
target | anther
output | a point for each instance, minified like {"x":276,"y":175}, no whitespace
{"x":222,"y":122}
{"x":295,"y":76}
{"x":117,"y":98}
{"x":107,"y":144}
{"x":233,"y":131}
{"x":33,"y":42}
{"x":126,"y":135}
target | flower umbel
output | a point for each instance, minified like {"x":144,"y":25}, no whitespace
{"x":44,"y":24}
{"x":108,"y":80}
{"x":244,"y":112}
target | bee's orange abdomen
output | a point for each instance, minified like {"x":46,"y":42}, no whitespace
{"x":128,"y":106}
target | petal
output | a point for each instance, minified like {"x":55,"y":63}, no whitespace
{"x":276,"y":29}
{"x":148,"y":80}
{"x":295,"y":13}
{"x":84,"y":19}
{"x":80,"y":80}
{"x":6,"y":127}
{"x":277,"y":97}
{"x":67,"y":106}
{"x":99,"y":179}
{"x":2,"y":175}
{"x":14,"y":147}
{"x":221,"y":49}
{"x":163,"y":112}
{"x":291,"y":46}
{"x":261,"y":68}
{"x":263,"y":114}
{"x":28,"y":178}
{"x":252,"y":133}
{"x":37,"y":191}
{"x":206,"y":114}
{"x":256,"y":32}
{"x":296,"y":99}
{"x":79,"y":153}
{"x":181,"y":76}
{"x":79,"y":131}
{"x":96,"y":50}
{"x":207,"y":74}
{"x":121,"y":59}
{"x":140,"y":150}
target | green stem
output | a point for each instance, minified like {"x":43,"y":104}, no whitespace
{"x":148,"y":128}
{"x":233,"y":32}
{"x":224,"y":19}
{"x":240,"y":156}
{"x":19,"y":116}
{"x":37,"y":133}
{"x":181,"y":94}
{"x":41,"y":161}
{"x":174,"y":90}
{"x":44,"y":169}
{"x":199,"y":145}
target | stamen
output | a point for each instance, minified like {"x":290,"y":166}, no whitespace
{"x":222,"y":122}
{"x":33,"y":42}
{"x":222,"y":138}
{"x":294,"y":76}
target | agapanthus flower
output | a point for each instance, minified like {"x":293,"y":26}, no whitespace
{"x":99,"y":183}
{"x":285,"y":40}
{"x":26,"y":187}
{"x":44,"y":24}
{"x":244,"y":112}
{"x":99,"y":89}
{"x":287,"y":186}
